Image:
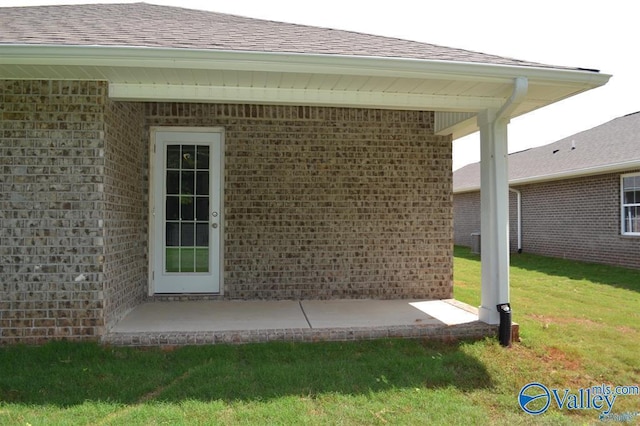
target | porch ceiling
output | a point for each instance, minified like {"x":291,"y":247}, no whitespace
{"x":455,"y":90}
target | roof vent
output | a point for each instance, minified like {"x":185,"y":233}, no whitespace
{"x":555,"y":150}
{"x":573,"y":145}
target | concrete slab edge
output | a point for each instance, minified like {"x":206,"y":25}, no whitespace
{"x":468,"y":331}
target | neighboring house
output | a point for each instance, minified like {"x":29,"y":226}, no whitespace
{"x":160,"y":153}
{"x":579,"y":197}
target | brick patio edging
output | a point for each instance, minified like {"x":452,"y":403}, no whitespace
{"x":475,"y":330}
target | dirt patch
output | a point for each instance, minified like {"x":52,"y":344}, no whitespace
{"x":626,"y":330}
{"x":554,"y":359}
{"x":561,"y":359}
{"x":547,"y":320}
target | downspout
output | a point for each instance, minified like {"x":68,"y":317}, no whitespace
{"x":520,"y":88}
{"x":519,"y":217}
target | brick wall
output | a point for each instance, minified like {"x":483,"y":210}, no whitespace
{"x":319,"y":203}
{"x":578,"y":219}
{"x":330,"y":202}
{"x":575,"y":219}
{"x":466,"y":218}
{"x":125,"y":216}
{"x":51,"y":199}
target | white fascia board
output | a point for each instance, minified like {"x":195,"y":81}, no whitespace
{"x":589,"y":171}
{"x":145,"y":57}
{"x":199,"y":93}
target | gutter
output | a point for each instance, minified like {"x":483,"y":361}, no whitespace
{"x":520,"y":88}
{"x":152,"y":57}
{"x":93,"y":62}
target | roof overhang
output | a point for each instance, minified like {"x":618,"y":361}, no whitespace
{"x":456,"y":91}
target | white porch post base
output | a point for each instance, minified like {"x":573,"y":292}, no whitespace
{"x":494,"y":218}
{"x":487,"y":315}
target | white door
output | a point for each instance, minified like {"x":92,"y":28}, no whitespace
{"x":186,"y":211}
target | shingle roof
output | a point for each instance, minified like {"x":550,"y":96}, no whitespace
{"x":616,"y":142}
{"x":147,"y":25}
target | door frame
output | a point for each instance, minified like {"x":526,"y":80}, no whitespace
{"x":155,"y":241}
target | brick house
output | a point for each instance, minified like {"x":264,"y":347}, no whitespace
{"x":160,"y":153}
{"x":577,"y":198}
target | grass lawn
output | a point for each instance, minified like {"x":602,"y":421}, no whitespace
{"x":579,"y":324}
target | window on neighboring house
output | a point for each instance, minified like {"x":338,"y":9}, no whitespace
{"x":630,"y":204}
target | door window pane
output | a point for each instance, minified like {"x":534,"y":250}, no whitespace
{"x":187,"y":236}
{"x":202,"y":157}
{"x":188,"y":157}
{"x":202,"y":260}
{"x":172,"y":210}
{"x":173,"y":234}
{"x":173,"y":182}
{"x":173,"y":156}
{"x":187,"y":183}
{"x":202,"y":208}
{"x":202,"y":183}
{"x":187,"y":260}
{"x":186,"y":207}
{"x":172,"y":257}
{"x":202,"y":234}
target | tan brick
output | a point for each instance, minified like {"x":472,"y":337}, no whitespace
{"x":326,"y":202}
{"x":319,"y":203}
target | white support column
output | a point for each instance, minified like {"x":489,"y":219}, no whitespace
{"x":494,"y":217}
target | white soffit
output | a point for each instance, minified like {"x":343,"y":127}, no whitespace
{"x":455,"y":90}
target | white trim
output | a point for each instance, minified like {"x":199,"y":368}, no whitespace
{"x":150,"y":57}
{"x":152,"y":213}
{"x":622,"y":204}
{"x":153,"y":175}
{"x":197,"y":93}
{"x":127,"y":71}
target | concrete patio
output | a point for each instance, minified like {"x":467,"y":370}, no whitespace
{"x":210,"y":322}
